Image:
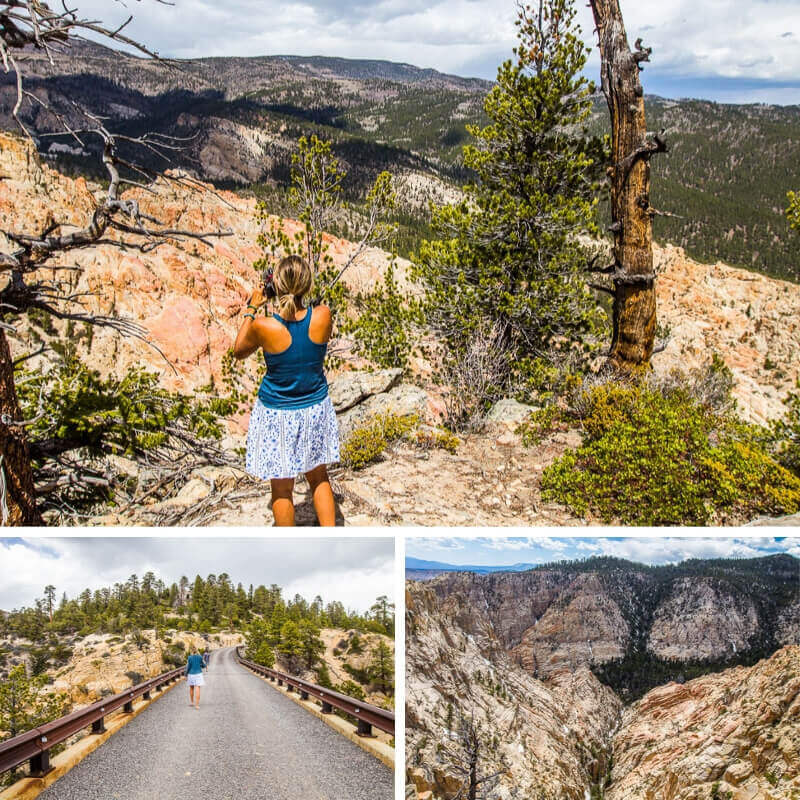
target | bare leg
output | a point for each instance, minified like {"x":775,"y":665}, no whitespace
{"x":322,"y":494}
{"x":191,"y":695}
{"x":197,"y":696}
{"x":282,"y":504}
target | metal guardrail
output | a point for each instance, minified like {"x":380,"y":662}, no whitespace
{"x":365,"y":714}
{"x":34,"y":745}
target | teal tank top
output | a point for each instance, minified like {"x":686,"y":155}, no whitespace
{"x":295,"y":378}
{"x":194,"y":666}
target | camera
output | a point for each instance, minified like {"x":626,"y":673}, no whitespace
{"x":270,"y":292}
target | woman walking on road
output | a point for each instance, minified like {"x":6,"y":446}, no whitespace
{"x":194,"y":676}
{"x":293,"y":429}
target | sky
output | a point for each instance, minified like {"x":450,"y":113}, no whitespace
{"x":485,"y":551}
{"x":723,"y":50}
{"x":352,"y":570}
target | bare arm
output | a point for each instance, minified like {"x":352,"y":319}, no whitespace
{"x":248,"y":340}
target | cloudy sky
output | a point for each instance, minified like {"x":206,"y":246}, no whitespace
{"x":486,"y":551}
{"x":725,"y":50}
{"x":354,"y":571}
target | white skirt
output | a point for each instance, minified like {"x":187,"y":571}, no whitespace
{"x":196,"y":679}
{"x":285,"y":443}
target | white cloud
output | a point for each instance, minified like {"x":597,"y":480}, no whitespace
{"x":709,"y":39}
{"x":352,"y":570}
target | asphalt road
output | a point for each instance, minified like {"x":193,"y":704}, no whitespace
{"x":246,"y":742}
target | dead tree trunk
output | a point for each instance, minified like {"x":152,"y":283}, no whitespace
{"x":634,"y":316}
{"x":17,"y":495}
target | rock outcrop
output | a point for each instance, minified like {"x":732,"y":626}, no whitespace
{"x":734,"y":734}
{"x":702,"y":618}
{"x":550,"y":738}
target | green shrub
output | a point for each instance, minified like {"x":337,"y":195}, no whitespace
{"x":439,"y":438}
{"x":785,"y":434}
{"x":659,"y":456}
{"x":366,"y":443}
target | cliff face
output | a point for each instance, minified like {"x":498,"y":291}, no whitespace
{"x":517,"y":653}
{"x":549,"y":737}
{"x":736,"y":733}
{"x":548,"y":620}
{"x":188,"y":297}
{"x":702,"y":619}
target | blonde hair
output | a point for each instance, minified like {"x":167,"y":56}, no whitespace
{"x":292,"y":283}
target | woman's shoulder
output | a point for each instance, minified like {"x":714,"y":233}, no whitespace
{"x":321,"y":312}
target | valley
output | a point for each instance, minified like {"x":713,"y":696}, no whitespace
{"x":608,"y":679}
{"x":723,"y":185}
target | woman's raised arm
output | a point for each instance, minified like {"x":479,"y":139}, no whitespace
{"x":247,"y":340}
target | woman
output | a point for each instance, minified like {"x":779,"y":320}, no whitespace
{"x":194,"y":676}
{"x":293,"y":427}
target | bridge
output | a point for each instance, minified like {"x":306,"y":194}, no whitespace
{"x":247,"y":741}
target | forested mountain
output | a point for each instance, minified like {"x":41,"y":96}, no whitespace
{"x":634,"y":626}
{"x":723,"y":184}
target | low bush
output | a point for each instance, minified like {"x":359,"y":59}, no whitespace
{"x":366,"y":443}
{"x":657,"y":455}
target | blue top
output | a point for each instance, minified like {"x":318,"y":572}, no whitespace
{"x":194,"y":665}
{"x":295,"y":378}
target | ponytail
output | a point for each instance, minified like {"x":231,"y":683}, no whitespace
{"x":292,"y":280}
{"x":287,"y":306}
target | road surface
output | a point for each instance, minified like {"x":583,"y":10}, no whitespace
{"x":246,"y":742}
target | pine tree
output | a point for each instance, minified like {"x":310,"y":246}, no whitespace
{"x":23,"y":704}
{"x":507,"y":274}
{"x":312,"y":646}
{"x":381,"y":667}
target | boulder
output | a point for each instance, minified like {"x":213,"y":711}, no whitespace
{"x":402,"y":400}
{"x":351,"y":388}
{"x":509,"y":412}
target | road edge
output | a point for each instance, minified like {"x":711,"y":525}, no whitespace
{"x":380,"y":750}
{"x":30,"y":788}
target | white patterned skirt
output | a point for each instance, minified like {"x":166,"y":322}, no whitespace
{"x":287,"y":442}
{"x":195,"y":679}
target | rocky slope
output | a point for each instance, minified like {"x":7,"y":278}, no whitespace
{"x":189,"y":297}
{"x":601,"y":610}
{"x":104,"y":664}
{"x":734,"y":734}
{"x":549,"y":737}
{"x":517,"y":652}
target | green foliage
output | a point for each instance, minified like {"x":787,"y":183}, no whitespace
{"x":78,"y":410}
{"x":656,"y":457}
{"x":315,"y":198}
{"x":785,"y":434}
{"x":386,"y":325}
{"x":258,"y":646}
{"x":24,"y":703}
{"x":311,"y":645}
{"x":366,"y":443}
{"x":351,"y":689}
{"x":793,"y":210}
{"x":381,"y":667}
{"x":509,"y":268}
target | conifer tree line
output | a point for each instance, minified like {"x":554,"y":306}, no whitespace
{"x":202,"y":605}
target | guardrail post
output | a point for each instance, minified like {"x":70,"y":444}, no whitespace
{"x":99,"y":725}
{"x":128,"y":707}
{"x":364,"y":729}
{"x":303,"y":694}
{"x":146,"y":695}
{"x":327,"y":708}
{"x":40,"y":763}
{"x":280,"y":682}
{"x":289,"y":688}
